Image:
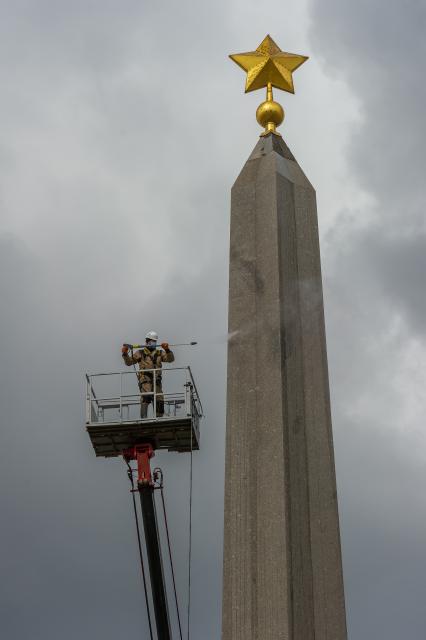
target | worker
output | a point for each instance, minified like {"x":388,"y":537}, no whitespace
{"x":150,"y":357}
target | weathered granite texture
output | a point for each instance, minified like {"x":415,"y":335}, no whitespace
{"x":282,"y":560}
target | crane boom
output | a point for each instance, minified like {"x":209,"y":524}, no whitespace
{"x":142,"y":454}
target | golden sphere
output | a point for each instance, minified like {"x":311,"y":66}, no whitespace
{"x":270,"y":112}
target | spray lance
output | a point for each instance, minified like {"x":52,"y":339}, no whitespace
{"x":141,"y":346}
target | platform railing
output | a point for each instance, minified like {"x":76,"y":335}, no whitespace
{"x":115,"y":397}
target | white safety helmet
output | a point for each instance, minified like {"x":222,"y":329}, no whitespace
{"x":151,"y":335}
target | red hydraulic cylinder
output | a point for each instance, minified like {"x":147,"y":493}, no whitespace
{"x":142,"y":453}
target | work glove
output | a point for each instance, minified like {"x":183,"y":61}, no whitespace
{"x":165,"y":346}
{"x":124,"y":350}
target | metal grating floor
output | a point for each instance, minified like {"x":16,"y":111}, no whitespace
{"x":173,"y":434}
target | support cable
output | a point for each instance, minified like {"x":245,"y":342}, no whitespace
{"x":170,"y":549}
{"x":190,"y":542}
{"x":130,"y":474}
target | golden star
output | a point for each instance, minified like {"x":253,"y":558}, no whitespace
{"x":268,"y":64}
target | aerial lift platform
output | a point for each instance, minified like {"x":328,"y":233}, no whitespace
{"x":113,"y":419}
{"x":115,"y":428}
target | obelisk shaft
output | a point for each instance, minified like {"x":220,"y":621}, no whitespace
{"x":282,"y":559}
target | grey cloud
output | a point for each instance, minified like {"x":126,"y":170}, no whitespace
{"x":375,"y":267}
{"x":400,"y":263}
{"x":383,"y":527}
{"x":379,"y":48}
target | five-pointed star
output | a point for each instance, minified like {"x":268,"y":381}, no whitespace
{"x":269,"y":64}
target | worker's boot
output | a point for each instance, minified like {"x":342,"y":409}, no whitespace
{"x":160,"y":409}
{"x":144,"y":410}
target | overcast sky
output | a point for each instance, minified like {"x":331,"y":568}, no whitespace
{"x":123,"y":125}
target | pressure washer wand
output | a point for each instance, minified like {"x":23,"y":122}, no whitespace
{"x":179,"y":344}
{"x":184,"y":344}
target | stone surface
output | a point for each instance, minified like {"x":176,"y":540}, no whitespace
{"x":282,"y":560}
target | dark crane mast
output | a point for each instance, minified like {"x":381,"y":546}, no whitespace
{"x":142,"y":453}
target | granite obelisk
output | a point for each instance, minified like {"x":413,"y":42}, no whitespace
{"x":282,"y":559}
